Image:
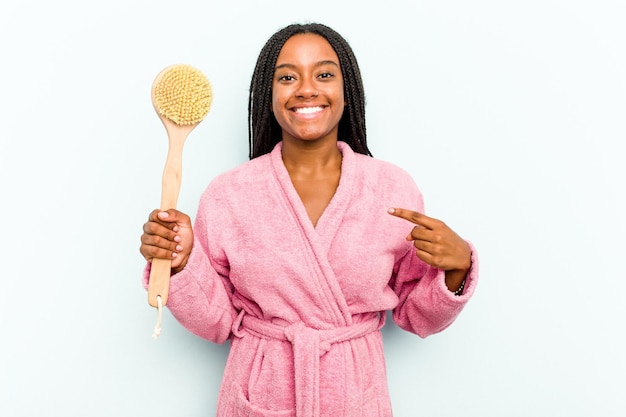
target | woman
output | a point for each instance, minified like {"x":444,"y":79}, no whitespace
{"x":295,"y":256}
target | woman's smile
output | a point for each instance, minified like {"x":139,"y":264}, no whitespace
{"x":308,"y":110}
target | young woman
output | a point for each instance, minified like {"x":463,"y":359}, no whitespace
{"x":296,"y":255}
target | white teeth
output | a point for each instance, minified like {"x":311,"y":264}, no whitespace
{"x":308,"y":110}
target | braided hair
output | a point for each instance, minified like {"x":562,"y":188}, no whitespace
{"x":263,"y":129}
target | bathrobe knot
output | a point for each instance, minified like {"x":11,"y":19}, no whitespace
{"x":298,"y":334}
{"x":309,"y":345}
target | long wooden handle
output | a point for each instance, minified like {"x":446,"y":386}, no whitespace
{"x":160,"y":271}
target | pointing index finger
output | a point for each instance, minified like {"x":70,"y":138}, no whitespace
{"x":410,"y":215}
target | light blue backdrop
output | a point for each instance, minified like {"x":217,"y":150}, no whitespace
{"x":509,"y":115}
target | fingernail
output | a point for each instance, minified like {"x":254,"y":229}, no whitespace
{"x":177,"y":239}
{"x":174,"y":254}
{"x":179,"y":248}
{"x":391,"y":210}
{"x":163,"y":214}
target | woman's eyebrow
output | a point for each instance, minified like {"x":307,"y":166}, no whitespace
{"x":317,"y":64}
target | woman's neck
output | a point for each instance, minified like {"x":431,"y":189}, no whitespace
{"x":309,"y":160}
{"x":315,"y":172}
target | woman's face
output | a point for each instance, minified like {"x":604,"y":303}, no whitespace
{"x":307,"y":89}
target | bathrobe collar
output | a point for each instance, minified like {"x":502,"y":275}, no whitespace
{"x":321,"y":237}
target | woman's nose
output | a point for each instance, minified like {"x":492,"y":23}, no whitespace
{"x":307,"y":89}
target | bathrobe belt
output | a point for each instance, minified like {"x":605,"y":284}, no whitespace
{"x":308,"y":346}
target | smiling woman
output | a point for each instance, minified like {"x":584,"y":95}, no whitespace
{"x":295,"y":256}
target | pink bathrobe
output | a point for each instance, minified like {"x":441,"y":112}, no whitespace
{"x":303,"y":305}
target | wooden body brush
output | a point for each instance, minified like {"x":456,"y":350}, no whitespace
{"x":182,"y":97}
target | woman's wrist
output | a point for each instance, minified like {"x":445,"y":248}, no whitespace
{"x":455,"y":280}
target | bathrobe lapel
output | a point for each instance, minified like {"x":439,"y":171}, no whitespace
{"x":319,"y":239}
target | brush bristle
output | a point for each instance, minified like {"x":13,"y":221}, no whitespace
{"x":183,"y":94}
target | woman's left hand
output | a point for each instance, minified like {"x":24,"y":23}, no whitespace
{"x":435,"y":243}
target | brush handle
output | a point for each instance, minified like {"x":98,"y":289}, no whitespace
{"x":159,"y":285}
{"x":161,"y":269}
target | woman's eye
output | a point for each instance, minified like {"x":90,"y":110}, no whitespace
{"x":326,"y":75}
{"x":285,"y":78}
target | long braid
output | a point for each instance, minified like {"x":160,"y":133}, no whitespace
{"x":263,"y":129}
{"x":261,"y":122}
{"x":354,"y":130}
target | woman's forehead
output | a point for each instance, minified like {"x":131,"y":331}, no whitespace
{"x":307,"y":47}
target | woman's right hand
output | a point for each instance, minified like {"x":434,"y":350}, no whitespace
{"x":167,"y":235}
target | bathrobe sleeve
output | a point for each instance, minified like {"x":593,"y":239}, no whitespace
{"x":425,"y":306}
{"x":200,"y":296}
